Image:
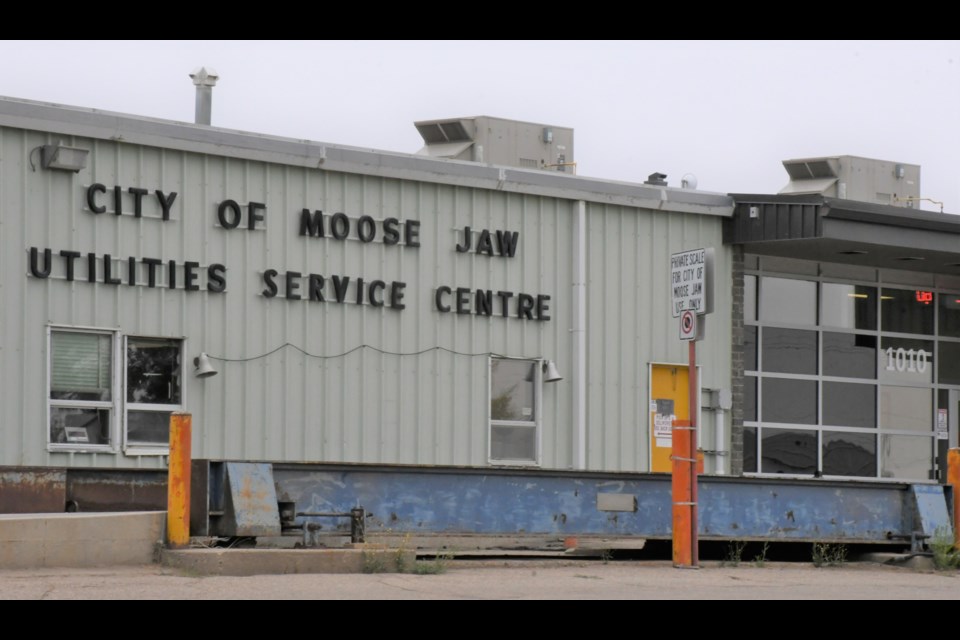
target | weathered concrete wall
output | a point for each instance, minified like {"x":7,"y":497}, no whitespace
{"x":80,"y":539}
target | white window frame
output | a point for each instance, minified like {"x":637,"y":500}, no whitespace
{"x":118,"y":405}
{"x":144,"y":448}
{"x":111,"y":405}
{"x":536,"y":423}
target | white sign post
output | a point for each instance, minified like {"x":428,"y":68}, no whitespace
{"x":691,"y":281}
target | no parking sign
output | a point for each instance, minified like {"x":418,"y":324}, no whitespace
{"x":688,"y":325}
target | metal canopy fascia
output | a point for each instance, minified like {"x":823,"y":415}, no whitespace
{"x":848,"y":232}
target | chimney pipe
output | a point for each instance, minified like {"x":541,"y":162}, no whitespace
{"x":204,"y":79}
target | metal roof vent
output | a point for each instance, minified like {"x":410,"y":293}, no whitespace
{"x":854,"y":178}
{"x":656,"y":179}
{"x":204,"y":79}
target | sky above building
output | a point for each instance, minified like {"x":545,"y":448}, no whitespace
{"x":727,"y":112}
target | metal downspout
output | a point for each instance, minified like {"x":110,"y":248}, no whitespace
{"x":579,"y":331}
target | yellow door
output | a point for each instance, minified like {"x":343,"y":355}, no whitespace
{"x":669,"y":392}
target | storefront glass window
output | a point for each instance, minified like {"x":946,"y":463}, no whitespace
{"x":949,"y":363}
{"x":788,"y":301}
{"x":849,"y":355}
{"x":750,"y":298}
{"x":849,"y":306}
{"x":749,"y":450}
{"x":849,"y":454}
{"x":789,"y":350}
{"x":906,"y":409}
{"x":907,"y":457}
{"x":789,"y":401}
{"x":858,"y":375}
{"x":949,"y":315}
{"x":750,"y":399}
{"x":849,"y":405}
{"x":791,"y":451}
{"x":906,"y":311}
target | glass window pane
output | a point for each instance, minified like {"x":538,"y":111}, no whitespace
{"x":849,"y":405}
{"x":849,"y":355}
{"x":511,"y":390}
{"x":849,"y":306}
{"x":750,"y":348}
{"x":907,"y":457}
{"x":153,"y":371}
{"x":849,"y":454}
{"x":789,"y":451}
{"x":906,"y":311}
{"x":749,"y":399}
{"x":80,"y":366}
{"x":79,"y":426}
{"x":949,"y":315}
{"x":789,"y":350}
{"x":790,"y":401}
{"x":905,"y":360}
{"x":749,"y":450}
{"x":906,"y":409}
{"x":750,"y":298}
{"x":788,"y":301}
{"x":148,"y":427}
{"x":949,"y":371}
{"x":513,"y":443}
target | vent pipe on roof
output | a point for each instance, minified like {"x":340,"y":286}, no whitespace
{"x":657,"y":179}
{"x":204,"y":79}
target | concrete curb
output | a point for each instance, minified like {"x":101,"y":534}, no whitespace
{"x":249,"y":562}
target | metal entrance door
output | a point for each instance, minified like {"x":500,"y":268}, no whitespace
{"x":669,"y":390}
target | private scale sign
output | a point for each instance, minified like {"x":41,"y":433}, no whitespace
{"x":691,"y":281}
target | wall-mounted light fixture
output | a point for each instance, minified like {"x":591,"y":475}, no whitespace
{"x":550,"y":371}
{"x":58,"y":156}
{"x":203,"y":368}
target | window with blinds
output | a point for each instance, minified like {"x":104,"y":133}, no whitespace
{"x":110,"y":392}
{"x":81,"y":366}
{"x":81,"y":400}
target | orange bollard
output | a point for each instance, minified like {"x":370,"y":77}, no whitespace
{"x":682,"y":495}
{"x":178,"y":481}
{"x":953,"y":479}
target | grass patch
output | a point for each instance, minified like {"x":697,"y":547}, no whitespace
{"x":825,"y":554}
{"x":943,"y":547}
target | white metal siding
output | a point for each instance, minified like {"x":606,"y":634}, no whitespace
{"x":629,"y":323}
{"x":365,"y":406}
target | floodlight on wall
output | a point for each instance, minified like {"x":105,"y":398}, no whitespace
{"x":58,"y":156}
{"x":550,"y":371}
{"x":203,"y":368}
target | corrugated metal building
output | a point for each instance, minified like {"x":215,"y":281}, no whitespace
{"x":386,"y":329}
{"x":177,"y":239}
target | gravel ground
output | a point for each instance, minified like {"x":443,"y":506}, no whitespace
{"x":499,"y":580}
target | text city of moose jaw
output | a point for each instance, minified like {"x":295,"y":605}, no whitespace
{"x":286,"y":284}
